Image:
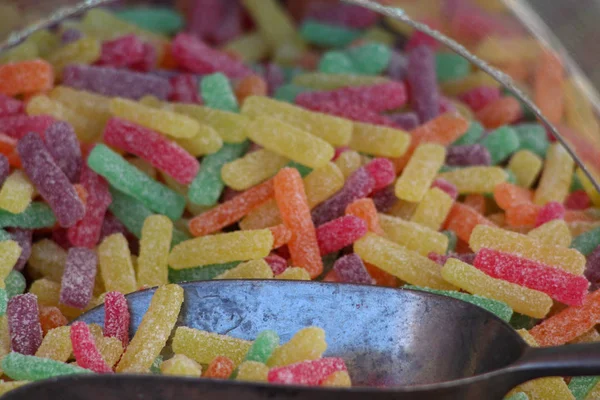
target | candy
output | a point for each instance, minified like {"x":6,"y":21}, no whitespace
{"x":366,"y":210}
{"x":217,"y":93}
{"x":526,"y":166}
{"x":155,"y":243}
{"x":351,"y":269}
{"x":154,"y":330}
{"x":37,"y":215}
{"x":307,"y":344}
{"x":339,"y":233}
{"x":180,"y":365}
{"x":450,"y":66}
{"x":348,"y":162}
{"x":115,"y":265}
{"x":307,"y":372}
{"x":116,"y":317}
{"x":15,"y":284}
{"x":16,"y":193}
{"x":131,"y":181}
{"x":549,"y":212}
{"x":24,"y":324}
{"x":294,"y":274}
{"x":252,"y":371}
{"x":26,"y":77}
{"x":78,"y":278}
{"x":63,"y":146}
{"x":555,"y":232}
{"x":420,"y":172}
{"x":379,"y":140}
{"x":255,"y":269}
{"x":30,"y":368}
{"x":262,"y":348}
{"x":578,"y":200}
{"x":56,"y":344}
{"x":327,"y":35}
{"x":556,"y":177}
{"x":533,"y":137}
{"x":83,"y":51}
{"x":252,"y":169}
{"x":203,"y":346}
{"x":422,"y":82}
{"x":85,"y":350}
{"x":586,"y":242}
{"x":475,"y":179}
{"x":503,"y":111}
{"x":479,"y":97}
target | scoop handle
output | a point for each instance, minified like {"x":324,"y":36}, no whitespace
{"x":571,"y":360}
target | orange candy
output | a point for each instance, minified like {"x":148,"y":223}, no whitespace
{"x":548,"y":86}
{"x":295,"y":213}
{"x":523,"y":214}
{"x":8,"y":147}
{"x":231,"y":211}
{"x":26,"y":77}
{"x":381,"y":277}
{"x":365,"y":210}
{"x":503,"y":111}
{"x":281,"y":235}
{"x":219,"y":368}
{"x":167,"y":61}
{"x":463,"y":219}
{"x":570,"y":323}
{"x":50,"y":318}
{"x":476,"y":202}
{"x":508,"y":195}
{"x":252,"y":85}
{"x":81,"y":193}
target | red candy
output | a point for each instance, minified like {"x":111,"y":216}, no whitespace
{"x":446,"y":186}
{"x":306,"y":372}
{"x":10,"y":106}
{"x":578,"y":200}
{"x":122,"y":51}
{"x":148,"y":60}
{"x":278,"y":264}
{"x":382,"y":171}
{"x":421,"y":39}
{"x":195,"y":56}
{"x":339,"y":233}
{"x":551,"y":211}
{"x":17,"y":126}
{"x":163,"y":154}
{"x":116,"y":317}
{"x":85,"y":351}
{"x":352,"y":112}
{"x":480,"y":97}
{"x":556,"y":283}
{"x":184,"y":89}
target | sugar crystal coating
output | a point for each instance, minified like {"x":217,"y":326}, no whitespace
{"x":24,"y":324}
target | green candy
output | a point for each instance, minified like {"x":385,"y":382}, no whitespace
{"x":303,"y":169}
{"x":452,"y":240}
{"x":288,"y":92}
{"x":472,"y":136}
{"x":162,"y":20}
{"x":15,"y":283}
{"x":326,"y":35}
{"x":132,"y":213}
{"x":501,"y":143}
{"x":130,"y":180}
{"x":262,"y":348}
{"x":38,"y":215}
{"x":217,"y":93}
{"x":451,"y":66}
{"x":336,"y":62}
{"x":4,"y":235}
{"x":371,"y":58}
{"x":533,"y":137}
{"x":576,"y":183}
{"x":30,"y":368}
{"x":510,"y":176}
{"x":155,"y":367}
{"x":520,"y":321}
{"x":447,"y":168}
{"x":582,"y":386}
{"x":207,"y":186}
{"x":204,"y":273}
{"x":3,"y":301}
{"x":518,"y":396}
{"x":586,"y":242}
{"x":290,"y":72}
{"x":500,"y":309}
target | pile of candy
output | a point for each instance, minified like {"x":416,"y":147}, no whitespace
{"x":289,"y":143}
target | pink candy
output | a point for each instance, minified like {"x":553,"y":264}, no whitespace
{"x":278,"y":264}
{"x":77,"y":282}
{"x":352,"y":112}
{"x":578,"y":200}
{"x":382,"y":171}
{"x":17,"y":126}
{"x":339,"y":233}
{"x":10,"y":106}
{"x":24,"y":323}
{"x":351,"y":269}
{"x":306,"y":372}
{"x":85,"y":351}
{"x":116,"y":317}
{"x":480,"y":97}
{"x":551,"y":211}
{"x":446,"y":186}
{"x":184,"y":89}
{"x":122,"y":51}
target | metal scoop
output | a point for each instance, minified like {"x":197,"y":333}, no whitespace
{"x":398,"y":344}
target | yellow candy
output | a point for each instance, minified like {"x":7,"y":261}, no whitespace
{"x":9,"y":255}
{"x":143,"y":166}
{"x":48,"y":294}
{"x":579,"y":112}
{"x":403,"y":209}
{"x":526,"y":166}
{"x":433,"y":209}
{"x":476,"y":79}
{"x":338,"y":379}
{"x":252,"y":169}
{"x":502,"y":50}
{"x":5,"y":341}
{"x":521,"y":299}
{"x":334,"y":130}
{"x":251,"y":47}
{"x":323,"y":81}
{"x":556,"y":178}
{"x":47,"y":260}
{"x":88,"y":104}
{"x":319,"y":185}
{"x":478,"y":180}
{"x":255,"y":269}
{"x":252,"y":371}
{"x":16,"y":192}
{"x":588,"y":187}
{"x":553,"y":233}
{"x":206,"y":141}
{"x":163,"y":121}
{"x":348,"y":162}
{"x":110,"y":348}
{"x":511,"y":242}
{"x":397,"y":260}
{"x":154,"y":330}
{"x":221,"y":248}
{"x":230,"y":126}
{"x":379,"y":35}
{"x":152,"y":266}
{"x":420,"y":172}
{"x":6,"y":387}
{"x":307,"y":344}
{"x":87,"y":129}
{"x":379,"y":140}
{"x":56,"y":344}
{"x":203,"y":346}
{"x":84,"y":51}
{"x":180,"y":365}
{"x":591,"y":336}
{"x":291,"y":142}
{"x":544,"y":388}
{"x":45,"y":41}
{"x":115,"y":265}
{"x":294,"y":274}
{"x":23,"y":52}
{"x":413,"y":236}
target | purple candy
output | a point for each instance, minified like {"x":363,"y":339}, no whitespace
{"x":52,"y":184}
{"x":468,"y":155}
{"x":592,"y":269}
{"x":70,"y":35}
{"x":351,"y":269}
{"x":340,"y":14}
{"x":24,"y":323}
{"x":230,"y":25}
{"x":115,"y":82}
{"x":405,"y":120}
{"x":385,"y":198}
{"x":23,"y":238}
{"x":77,"y":282}
{"x":4,"y":169}
{"x":274,"y":76}
{"x":63,"y":145}
{"x":397,"y":66}
{"x":205,"y":17}
{"x":110,"y":226}
{"x":422,"y":80}
{"x":441,"y":259}
{"x":358,"y":185}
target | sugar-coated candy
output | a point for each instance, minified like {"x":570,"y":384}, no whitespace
{"x":556,"y":176}
{"x":413,"y":236}
{"x":203,"y":347}
{"x":85,"y":350}
{"x":31,"y":368}
{"x":155,"y":243}
{"x":294,"y":274}
{"x":307,"y":344}
{"x":337,"y":379}
{"x":379,"y":140}
{"x":180,"y":365}
{"x":502,"y":111}
{"x":578,"y":200}
{"x":26,"y":77}
{"x":115,"y":264}
{"x":582,"y":386}
{"x":252,"y":371}
{"x":10,"y":251}
{"x":262,"y":347}
{"x":551,"y":211}
{"x":501,"y":143}
{"x":471,"y":136}
{"x":327,"y":35}
{"x":306,"y":372}
{"x":109,"y":81}
{"x":62,"y":144}
{"x":336,"y":234}
{"x":37,"y":215}
{"x":351,"y":269}
{"x":479,"y":97}
{"x":468,"y":155}
{"x":252,"y":169}
{"x":116,"y":317}
{"x":555,"y":232}
{"x":217,"y":93}
{"x":422,"y":82}
{"x":366,"y":210}
{"x":433,"y":209}
{"x":526,"y":166}
{"x":24,"y":324}
{"x":15,"y":284}
{"x":475,"y":179}
{"x":587,"y":242}
{"x":254,"y":269}
{"x":16,"y":193}
{"x":78,"y":278}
